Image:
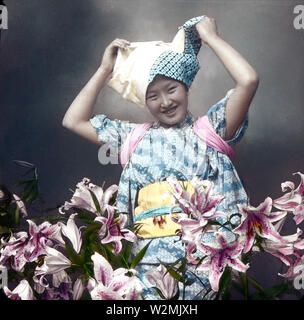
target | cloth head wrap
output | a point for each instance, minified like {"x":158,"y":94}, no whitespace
{"x":137,"y":66}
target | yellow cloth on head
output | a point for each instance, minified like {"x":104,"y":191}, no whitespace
{"x":132,"y":68}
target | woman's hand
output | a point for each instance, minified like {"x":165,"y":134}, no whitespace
{"x":110,"y":54}
{"x":207,"y":29}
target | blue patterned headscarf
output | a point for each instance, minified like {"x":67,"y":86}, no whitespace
{"x":136,"y":67}
{"x":180,"y":66}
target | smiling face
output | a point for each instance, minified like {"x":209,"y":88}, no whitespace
{"x":167,"y":100}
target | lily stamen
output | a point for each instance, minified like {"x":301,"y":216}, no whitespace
{"x":258,"y":225}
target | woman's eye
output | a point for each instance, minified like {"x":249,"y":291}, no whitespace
{"x":152,"y":98}
{"x":171,"y":90}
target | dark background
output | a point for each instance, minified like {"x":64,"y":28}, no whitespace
{"x":53,"y":47}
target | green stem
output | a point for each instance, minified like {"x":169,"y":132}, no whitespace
{"x":244,"y":281}
{"x":49,"y":218}
{"x":255,"y":284}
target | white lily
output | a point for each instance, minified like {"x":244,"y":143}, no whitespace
{"x":78,"y":289}
{"x":54,"y":262}
{"x":22,"y":292}
{"x":162,"y":280}
{"x":71,"y":231}
{"x":112,"y":284}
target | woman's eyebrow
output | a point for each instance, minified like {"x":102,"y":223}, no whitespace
{"x":171,"y":83}
{"x":151,"y":92}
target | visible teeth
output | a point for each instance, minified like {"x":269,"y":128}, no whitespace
{"x":168,"y":111}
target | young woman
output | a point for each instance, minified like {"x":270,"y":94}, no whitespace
{"x":157,"y":75}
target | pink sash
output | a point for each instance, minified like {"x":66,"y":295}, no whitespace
{"x":132,"y":140}
{"x":202,"y":127}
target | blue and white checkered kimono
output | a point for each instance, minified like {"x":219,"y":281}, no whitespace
{"x":178,"y":152}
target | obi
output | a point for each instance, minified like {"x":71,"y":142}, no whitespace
{"x":152,"y":213}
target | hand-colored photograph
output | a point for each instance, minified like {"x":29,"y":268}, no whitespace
{"x":151,"y":150}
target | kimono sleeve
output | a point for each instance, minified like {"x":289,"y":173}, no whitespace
{"x":111,"y":132}
{"x":217,"y":117}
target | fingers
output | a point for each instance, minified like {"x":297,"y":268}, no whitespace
{"x":208,"y":17}
{"x":121,"y":43}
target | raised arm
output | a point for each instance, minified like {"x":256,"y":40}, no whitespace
{"x":80,"y":111}
{"x":244,"y":75}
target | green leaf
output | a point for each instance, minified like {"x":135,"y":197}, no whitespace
{"x":244,"y":281}
{"x":49,"y":218}
{"x":25,"y":182}
{"x":136,"y":227}
{"x":159,"y":293}
{"x":274,"y":291}
{"x":139,"y":256}
{"x":126,"y":253}
{"x":90,"y":241}
{"x":113,"y":199}
{"x":206,"y":294}
{"x":175,"y":274}
{"x":85,"y":216}
{"x":255,"y":284}
{"x":27,"y":191}
{"x":94,"y":228}
{"x":4,"y":229}
{"x":17,"y":216}
{"x":33,"y":196}
{"x":224,"y":285}
{"x":183,"y":265}
{"x":88,"y":270}
{"x":97,"y":205}
{"x":72,"y":254}
{"x":200,"y":261}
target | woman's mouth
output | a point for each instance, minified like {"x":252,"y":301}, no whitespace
{"x":170,"y":111}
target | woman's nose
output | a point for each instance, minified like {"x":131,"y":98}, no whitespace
{"x":165,"y":100}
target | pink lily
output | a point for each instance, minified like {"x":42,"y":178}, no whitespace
{"x":259,"y":221}
{"x":227,"y":254}
{"x":24,"y":163}
{"x":40,"y":237}
{"x":71,"y":231}
{"x":82,"y":198}
{"x":22,"y":292}
{"x":201,"y":203}
{"x":295,"y":266}
{"x":162,"y":280}
{"x":20,"y":205}
{"x":112,"y":230}
{"x":283,"y":249}
{"x":113,"y":285}
{"x":13,"y":251}
{"x":292,"y":201}
{"x":197,"y":209}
